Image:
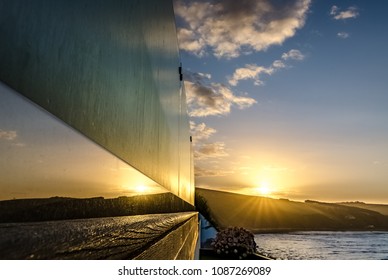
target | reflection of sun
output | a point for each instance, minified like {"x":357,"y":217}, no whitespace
{"x":264,"y":188}
{"x":141,"y":188}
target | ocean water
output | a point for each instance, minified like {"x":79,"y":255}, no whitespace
{"x":324,"y":245}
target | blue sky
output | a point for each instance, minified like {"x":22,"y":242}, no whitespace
{"x":287,"y":99}
{"x":292,"y":97}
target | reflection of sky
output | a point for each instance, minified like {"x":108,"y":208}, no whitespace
{"x":319,"y":127}
{"x":43,"y":157}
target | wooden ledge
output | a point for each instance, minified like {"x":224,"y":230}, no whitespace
{"x":126,"y":237}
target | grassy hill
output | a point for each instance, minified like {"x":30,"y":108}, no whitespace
{"x":62,"y":208}
{"x":381,"y":208}
{"x":265,"y":214}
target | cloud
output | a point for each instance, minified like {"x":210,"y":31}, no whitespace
{"x":9,"y":135}
{"x":351,"y":12}
{"x":255,"y":72}
{"x":334,"y":10}
{"x":343,"y":35}
{"x":228,"y":28}
{"x":250,"y":71}
{"x":204,"y":172}
{"x":204,"y":150}
{"x":208,"y":172}
{"x":205,"y":98}
{"x":190,"y":42}
{"x":210,"y":150}
{"x":293,"y":54}
{"x":19,"y":144}
{"x":200,"y":132}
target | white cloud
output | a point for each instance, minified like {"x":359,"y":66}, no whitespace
{"x":343,"y":35}
{"x":8,"y":135}
{"x":255,"y":72}
{"x":204,"y":150}
{"x":277,"y":64}
{"x":351,"y":12}
{"x":334,"y":10}
{"x":200,"y":132}
{"x":205,"y":98}
{"x":250,"y":71}
{"x":228,"y":28}
{"x":190,"y":42}
{"x":293,"y":54}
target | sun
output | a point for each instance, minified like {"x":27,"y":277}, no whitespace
{"x":264,"y":188}
{"x":141,"y":188}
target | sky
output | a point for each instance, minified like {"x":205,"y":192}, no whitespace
{"x":288,"y":99}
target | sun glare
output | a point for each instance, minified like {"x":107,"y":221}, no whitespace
{"x":141,"y":188}
{"x":264,"y":188}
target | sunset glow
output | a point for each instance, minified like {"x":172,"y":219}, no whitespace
{"x":141,"y":188}
{"x":264,"y":188}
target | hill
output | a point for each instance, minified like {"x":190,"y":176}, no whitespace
{"x":62,"y":208}
{"x":260,"y":214}
{"x":381,"y":208}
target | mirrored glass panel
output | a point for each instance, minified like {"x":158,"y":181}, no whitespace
{"x":50,"y":171}
{"x":109,"y":69}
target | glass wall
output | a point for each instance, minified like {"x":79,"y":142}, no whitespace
{"x":43,"y":157}
{"x":114,"y":122}
{"x":49,"y":171}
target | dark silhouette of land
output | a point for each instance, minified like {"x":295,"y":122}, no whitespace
{"x":261,"y":214}
{"x":62,"y":208}
{"x":381,"y":208}
{"x":223,"y":209}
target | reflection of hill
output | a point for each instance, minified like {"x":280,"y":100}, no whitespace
{"x":260,"y":214}
{"x":59,"y":208}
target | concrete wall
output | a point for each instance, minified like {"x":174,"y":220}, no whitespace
{"x":110,"y":70}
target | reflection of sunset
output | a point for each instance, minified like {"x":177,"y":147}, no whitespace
{"x":141,"y":188}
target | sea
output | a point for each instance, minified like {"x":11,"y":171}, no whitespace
{"x":324,"y":245}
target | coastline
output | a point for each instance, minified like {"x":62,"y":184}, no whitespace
{"x":209,"y":254}
{"x":289,"y":230}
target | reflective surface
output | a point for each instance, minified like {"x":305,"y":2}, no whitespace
{"x":43,"y":157}
{"x":49,"y":171}
{"x":110,"y":70}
